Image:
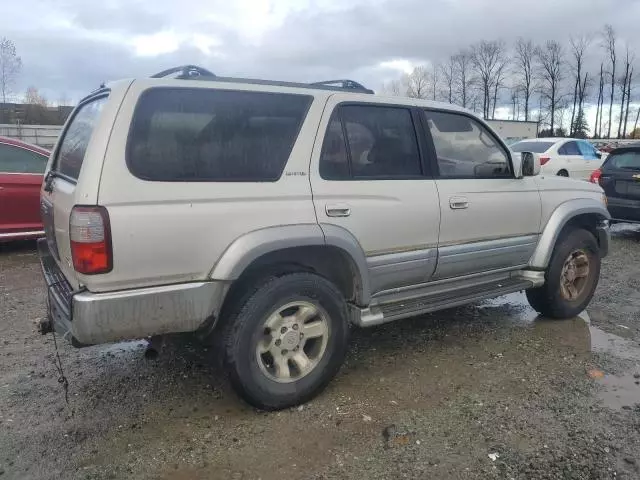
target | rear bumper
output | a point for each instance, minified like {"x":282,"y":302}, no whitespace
{"x":623,"y":209}
{"x":87,"y":318}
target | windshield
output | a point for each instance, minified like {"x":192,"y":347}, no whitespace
{"x":534,"y":147}
{"x":625,"y":160}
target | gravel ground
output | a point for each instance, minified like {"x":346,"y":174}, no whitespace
{"x":487,"y":391}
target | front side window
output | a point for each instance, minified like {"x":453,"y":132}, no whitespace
{"x":465,"y":148}
{"x":370,"y":142}
{"x":76,"y":138}
{"x":587,"y":150}
{"x":569,"y":148}
{"x":20,"y":160}
{"x":189,"y":134}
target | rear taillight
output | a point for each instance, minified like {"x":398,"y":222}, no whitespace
{"x":90,"y":237}
{"x":595,"y":176}
{"x":544,"y":160}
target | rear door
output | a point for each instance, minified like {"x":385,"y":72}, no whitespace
{"x":21,"y":173}
{"x":369,"y":179}
{"x":571,"y":160}
{"x":620,"y":180}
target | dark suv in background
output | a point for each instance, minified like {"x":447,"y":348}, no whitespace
{"x":619,"y":176}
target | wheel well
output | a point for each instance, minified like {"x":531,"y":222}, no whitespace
{"x":563,"y":170}
{"x":330,"y":262}
{"x":585,"y":221}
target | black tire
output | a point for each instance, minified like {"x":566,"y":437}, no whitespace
{"x":243,"y":328}
{"x":562,"y":173}
{"x":548,"y":299}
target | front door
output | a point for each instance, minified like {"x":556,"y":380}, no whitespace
{"x":370,"y":181}
{"x":572,"y":160}
{"x":20,"y":179}
{"x":490,"y":220}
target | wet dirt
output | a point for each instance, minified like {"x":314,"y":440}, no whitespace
{"x":481,"y":392}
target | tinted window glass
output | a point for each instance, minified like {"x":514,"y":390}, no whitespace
{"x":587,"y":150}
{"x":625,"y":160}
{"x":334,"y":161}
{"x":185,"y":134}
{"x":569,"y":148}
{"x":533,"y":147}
{"x":20,"y":160}
{"x":465,"y":149}
{"x":76,"y":138}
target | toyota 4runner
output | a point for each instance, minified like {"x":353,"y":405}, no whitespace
{"x":270,"y":217}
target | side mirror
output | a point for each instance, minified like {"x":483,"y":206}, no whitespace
{"x":530,"y":164}
{"x":599,"y":154}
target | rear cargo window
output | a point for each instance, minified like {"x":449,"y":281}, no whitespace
{"x":184,"y":134}
{"x":625,"y":160}
{"x":76,"y":138}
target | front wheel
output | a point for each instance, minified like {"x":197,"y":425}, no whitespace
{"x":563,"y":173}
{"x":285,"y":340}
{"x":571,"y":277}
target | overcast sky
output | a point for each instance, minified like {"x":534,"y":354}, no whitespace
{"x":69,"y":47}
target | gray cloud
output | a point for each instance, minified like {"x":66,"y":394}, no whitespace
{"x":72,"y":48}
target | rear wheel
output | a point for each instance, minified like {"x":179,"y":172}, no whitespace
{"x":285,"y":340}
{"x":563,"y":173}
{"x":571,"y":277}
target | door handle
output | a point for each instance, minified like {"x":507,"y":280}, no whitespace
{"x":340,"y":210}
{"x":458,"y":203}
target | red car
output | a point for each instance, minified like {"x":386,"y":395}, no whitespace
{"x":21,"y":169}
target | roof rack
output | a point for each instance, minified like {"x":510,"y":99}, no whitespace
{"x":186,"y":72}
{"x":346,"y":84}
{"x":193,"y":72}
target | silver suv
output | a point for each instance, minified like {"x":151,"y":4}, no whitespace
{"x":270,"y":217}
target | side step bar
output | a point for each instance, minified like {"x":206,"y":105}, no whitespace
{"x":388,"y":312}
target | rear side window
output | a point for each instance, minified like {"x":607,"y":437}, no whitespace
{"x":625,"y":160}
{"x":380,"y":144}
{"x":20,"y":160}
{"x":76,"y":138}
{"x":184,"y":134}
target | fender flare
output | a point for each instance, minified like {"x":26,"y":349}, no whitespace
{"x":557,"y":221}
{"x":249,"y":247}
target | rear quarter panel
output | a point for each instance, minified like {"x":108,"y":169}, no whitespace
{"x":169,"y":232}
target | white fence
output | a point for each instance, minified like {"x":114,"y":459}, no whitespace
{"x":41,"y":135}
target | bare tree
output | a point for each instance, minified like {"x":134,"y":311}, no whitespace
{"x":623,"y":87}
{"x":599,"y":104}
{"x":463,"y":64}
{"x":10,"y":65}
{"x":394,"y":87}
{"x":416,"y":83}
{"x":449,"y":74}
{"x":578,"y":48}
{"x":515,"y":101}
{"x":550,"y":58}
{"x":635,"y":125}
{"x":524,"y":58}
{"x":488,"y":58}
{"x":435,"y":79}
{"x":610,"y":47}
{"x":498,"y":84}
{"x":626,"y":115}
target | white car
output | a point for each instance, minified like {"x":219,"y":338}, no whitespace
{"x":566,"y":157}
